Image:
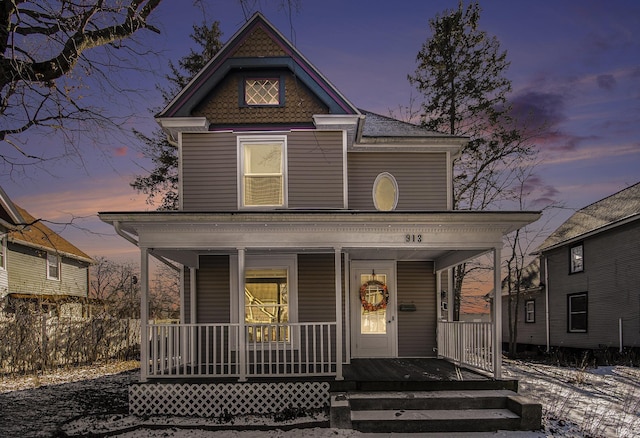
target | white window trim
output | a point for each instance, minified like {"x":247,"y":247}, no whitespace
{"x":258,"y":139}
{"x":58,"y":258}
{"x":395,"y":186}
{"x":284,"y":261}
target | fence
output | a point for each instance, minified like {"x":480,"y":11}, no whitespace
{"x":34,"y":342}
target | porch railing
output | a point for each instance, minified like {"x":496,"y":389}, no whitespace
{"x":467,"y":343}
{"x":208,"y":350}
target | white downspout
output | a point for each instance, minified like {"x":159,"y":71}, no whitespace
{"x":546,"y":300}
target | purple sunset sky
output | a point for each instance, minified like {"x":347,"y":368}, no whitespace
{"x":574,"y":64}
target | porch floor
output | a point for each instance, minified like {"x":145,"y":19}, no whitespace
{"x":424,"y":374}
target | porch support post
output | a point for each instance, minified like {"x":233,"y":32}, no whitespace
{"x":242,"y":343}
{"x":338,"y":276}
{"x":497,"y":314}
{"x":193,"y":311}
{"x":144,"y":313}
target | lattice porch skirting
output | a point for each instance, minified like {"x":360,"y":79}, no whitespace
{"x":216,"y":399}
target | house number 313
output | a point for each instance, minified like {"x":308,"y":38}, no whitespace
{"x":412,"y":238}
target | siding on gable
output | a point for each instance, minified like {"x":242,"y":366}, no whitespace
{"x":27,"y":273}
{"x":315,"y":171}
{"x":209,"y":172}
{"x":421,"y":178}
{"x":611,"y":277}
{"x":213,"y":299}
{"x":417,"y":330}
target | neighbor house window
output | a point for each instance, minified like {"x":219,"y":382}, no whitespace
{"x":262,"y":172}
{"x":577,"y":312}
{"x":576,"y":254}
{"x":260,"y":91}
{"x":385,"y":192}
{"x":530,"y":311}
{"x":3,"y":253}
{"x":53,"y":266}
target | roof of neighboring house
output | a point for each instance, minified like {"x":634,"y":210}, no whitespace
{"x":529,"y":280}
{"x":29,"y":231}
{"x":613,"y":210}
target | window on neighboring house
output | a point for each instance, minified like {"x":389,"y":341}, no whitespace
{"x":53,"y":266}
{"x":385,"y":192}
{"x":262,"y":91}
{"x":3,"y":252}
{"x":262,"y":170}
{"x":530,"y":311}
{"x":576,"y":254}
{"x":577,"y":312}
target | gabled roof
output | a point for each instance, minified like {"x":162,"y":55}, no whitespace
{"x":24,"y":229}
{"x":609,"y":212}
{"x":529,"y":280}
{"x":9,"y":214}
{"x":225,"y":61}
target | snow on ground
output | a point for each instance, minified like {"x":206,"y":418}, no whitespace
{"x":92,"y":400}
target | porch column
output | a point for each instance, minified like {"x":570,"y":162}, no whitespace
{"x":338,"y":276}
{"x":144,"y":313}
{"x":497,"y":314}
{"x":242,"y":344}
{"x":192,"y":296}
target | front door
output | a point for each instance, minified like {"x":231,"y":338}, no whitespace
{"x":373,"y":318}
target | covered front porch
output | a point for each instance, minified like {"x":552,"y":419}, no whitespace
{"x":336,"y":245}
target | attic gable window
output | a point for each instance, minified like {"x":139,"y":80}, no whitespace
{"x":262,"y":91}
{"x":576,"y":254}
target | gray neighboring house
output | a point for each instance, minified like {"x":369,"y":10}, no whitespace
{"x":39,"y":268}
{"x":589,"y":272}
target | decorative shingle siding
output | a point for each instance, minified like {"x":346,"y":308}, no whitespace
{"x":416,"y":330}
{"x":258,"y":44}
{"x":222,"y":106}
{"x":421,"y":178}
{"x":315,"y":169}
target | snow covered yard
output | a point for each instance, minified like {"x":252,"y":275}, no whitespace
{"x":601,"y":402}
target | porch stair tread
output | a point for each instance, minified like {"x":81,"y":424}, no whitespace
{"x":431,"y":414}
{"x":429,"y":400}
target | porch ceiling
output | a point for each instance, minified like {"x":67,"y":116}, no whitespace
{"x":448,"y":237}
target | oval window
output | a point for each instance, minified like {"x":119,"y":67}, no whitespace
{"x":385,"y":192}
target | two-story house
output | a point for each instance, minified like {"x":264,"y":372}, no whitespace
{"x":589,"y":272}
{"x":312,"y":234}
{"x":39,"y":268}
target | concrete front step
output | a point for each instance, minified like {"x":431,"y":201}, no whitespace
{"x":434,"y":411}
{"x":482,"y":399}
{"x":434,"y":420}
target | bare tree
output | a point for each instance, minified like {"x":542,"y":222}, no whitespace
{"x":50,"y":51}
{"x":116,"y":286}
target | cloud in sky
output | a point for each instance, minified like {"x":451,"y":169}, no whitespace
{"x":121,"y":151}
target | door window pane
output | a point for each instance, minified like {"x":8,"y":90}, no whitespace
{"x":373,"y":298}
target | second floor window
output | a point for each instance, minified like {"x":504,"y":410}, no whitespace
{"x":576,"y":259}
{"x":53,"y":266}
{"x":262,"y":177}
{"x":3,"y":251}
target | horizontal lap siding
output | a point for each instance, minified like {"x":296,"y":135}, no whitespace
{"x":316,"y":288}
{"x":209,"y":172}
{"x":531,"y":333}
{"x":315,"y":172}
{"x":421,"y":178}
{"x":416,"y":330}
{"x":611,"y":279}
{"x":213,"y":296}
